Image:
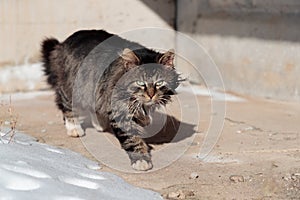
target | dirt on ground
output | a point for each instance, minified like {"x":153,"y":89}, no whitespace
{"x":257,"y":155}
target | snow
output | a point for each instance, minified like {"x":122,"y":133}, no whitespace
{"x":32,"y":170}
{"x":28,"y":74}
{"x":214,"y":93}
{"x":25,"y":95}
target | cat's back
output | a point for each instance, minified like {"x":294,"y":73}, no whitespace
{"x":83,"y":41}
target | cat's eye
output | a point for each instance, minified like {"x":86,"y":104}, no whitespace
{"x":141,"y":83}
{"x":159,"y":83}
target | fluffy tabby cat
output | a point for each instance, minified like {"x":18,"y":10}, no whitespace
{"x":120,"y":84}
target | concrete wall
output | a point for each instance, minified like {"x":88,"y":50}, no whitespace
{"x":23,"y":24}
{"x":255,"y":44}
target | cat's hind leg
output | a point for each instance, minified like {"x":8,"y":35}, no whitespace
{"x":73,"y":125}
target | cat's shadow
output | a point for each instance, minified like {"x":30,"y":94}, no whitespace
{"x":163,"y":129}
{"x":168,"y":129}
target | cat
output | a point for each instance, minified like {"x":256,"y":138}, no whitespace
{"x":119,"y":83}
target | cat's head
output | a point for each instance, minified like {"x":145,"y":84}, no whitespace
{"x":151,"y":78}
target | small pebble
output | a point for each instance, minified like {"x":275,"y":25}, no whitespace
{"x":189,"y":193}
{"x":180,"y":194}
{"x":274,"y":165}
{"x":41,"y":140}
{"x":236,"y":178}
{"x":173,"y":195}
{"x":250,"y":128}
{"x":293,"y":177}
{"x":43,"y":131}
{"x":194,"y":175}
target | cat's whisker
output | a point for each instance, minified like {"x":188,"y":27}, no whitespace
{"x":132,"y":103}
{"x":133,"y":107}
{"x":162,"y":101}
{"x":136,"y":105}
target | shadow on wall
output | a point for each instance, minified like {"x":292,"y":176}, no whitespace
{"x":164,"y":8}
{"x":268,"y":20}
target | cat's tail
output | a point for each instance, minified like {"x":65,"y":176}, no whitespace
{"x":48,"y":46}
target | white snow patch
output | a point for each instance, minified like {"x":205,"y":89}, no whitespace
{"x":25,"y":95}
{"x":80,"y":182}
{"x":15,"y":181}
{"x":214,"y":94}
{"x":26,"y":171}
{"x":54,"y":150}
{"x":30,"y":74}
{"x":93,"y":166}
{"x":92,"y":176}
{"x":31,"y":171}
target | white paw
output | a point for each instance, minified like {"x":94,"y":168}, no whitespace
{"x":142,"y":165}
{"x":73,"y":128}
{"x":75,"y":132}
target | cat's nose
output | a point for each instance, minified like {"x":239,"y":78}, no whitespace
{"x":151,"y":92}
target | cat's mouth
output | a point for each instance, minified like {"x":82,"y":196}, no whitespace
{"x":149,"y":103}
{"x":148,"y":107}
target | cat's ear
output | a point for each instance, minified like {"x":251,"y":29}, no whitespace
{"x":167,"y":59}
{"x":129,"y":57}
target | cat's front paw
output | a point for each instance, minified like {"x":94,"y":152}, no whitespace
{"x":142,"y":165}
{"x":140,"y":161}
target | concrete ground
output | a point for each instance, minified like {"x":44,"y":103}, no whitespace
{"x":256,"y":157}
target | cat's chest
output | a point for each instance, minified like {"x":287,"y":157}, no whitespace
{"x":143,"y":116}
